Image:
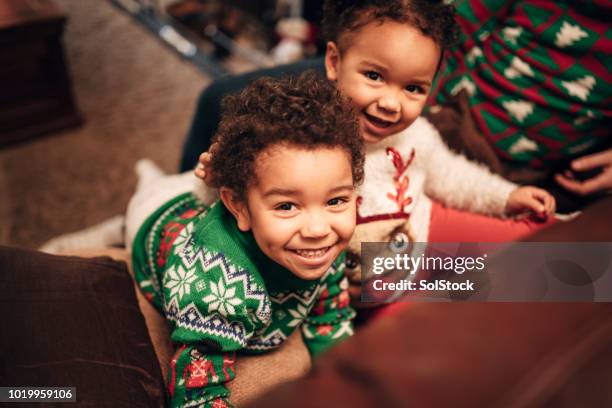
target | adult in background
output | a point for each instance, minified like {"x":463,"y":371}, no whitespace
{"x":530,"y":86}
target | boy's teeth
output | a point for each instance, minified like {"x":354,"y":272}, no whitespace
{"x":311,"y":253}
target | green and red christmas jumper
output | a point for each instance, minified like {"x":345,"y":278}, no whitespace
{"x":223,"y":296}
{"x":537,"y":74}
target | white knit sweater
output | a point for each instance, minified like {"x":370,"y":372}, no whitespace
{"x":393,"y":184}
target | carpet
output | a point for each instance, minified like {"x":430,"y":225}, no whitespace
{"x":137,"y":98}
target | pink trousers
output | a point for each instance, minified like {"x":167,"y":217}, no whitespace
{"x":450,"y":225}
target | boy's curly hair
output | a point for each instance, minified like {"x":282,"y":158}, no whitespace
{"x":305,"y":111}
{"x":433,"y":18}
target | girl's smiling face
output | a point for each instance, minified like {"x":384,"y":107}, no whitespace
{"x":387,"y":70}
{"x":301,"y":209}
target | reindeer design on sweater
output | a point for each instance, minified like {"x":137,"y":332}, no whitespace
{"x":403,"y":174}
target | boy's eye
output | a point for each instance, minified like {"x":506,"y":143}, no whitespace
{"x":285,"y":207}
{"x":414,"y":89}
{"x":373,"y":75}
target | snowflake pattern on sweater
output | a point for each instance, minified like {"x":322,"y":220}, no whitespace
{"x":222,"y":295}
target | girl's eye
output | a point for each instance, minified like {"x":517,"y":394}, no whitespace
{"x":285,"y":207}
{"x":373,"y":75}
{"x":337,"y":201}
{"x":414,"y":89}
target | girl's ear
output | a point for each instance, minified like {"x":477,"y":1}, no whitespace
{"x":332,"y":61}
{"x":237,"y":207}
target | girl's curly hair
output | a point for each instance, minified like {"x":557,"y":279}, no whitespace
{"x":305,"y":111}
{"x":433,"y":18}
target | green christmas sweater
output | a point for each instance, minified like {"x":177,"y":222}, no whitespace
{"x":537,"y":74}
{"x":222,"y":295}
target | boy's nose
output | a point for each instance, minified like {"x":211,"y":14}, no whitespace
{"x":315,"y":226}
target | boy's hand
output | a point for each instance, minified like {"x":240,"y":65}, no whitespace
{"x":203,"y":170}
{"x":534,"y":199}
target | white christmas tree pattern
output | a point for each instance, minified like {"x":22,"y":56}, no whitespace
{"x":464,"y":84}
{"x":512,"y":33}
{"x":569,"y":34}
{"x":523,"y":145}
{"x":580,"y":88}
{"x":519,"y":109}
{"x":518,"y":68}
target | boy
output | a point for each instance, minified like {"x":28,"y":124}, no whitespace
{"x":246,"y":272}
{"x":242,"y":274}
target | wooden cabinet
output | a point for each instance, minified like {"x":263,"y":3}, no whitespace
{"x":35,"y":88}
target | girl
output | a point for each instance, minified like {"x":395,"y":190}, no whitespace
{"x":384,"y":56}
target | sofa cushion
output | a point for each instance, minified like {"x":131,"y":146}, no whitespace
{"x":75,"y":322}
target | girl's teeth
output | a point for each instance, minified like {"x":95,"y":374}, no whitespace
{"x":379,"y":122}
{"x":309,"y":253}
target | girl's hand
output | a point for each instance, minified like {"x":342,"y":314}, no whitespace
{"x":203,"y":170}
{"x":534,"y":199}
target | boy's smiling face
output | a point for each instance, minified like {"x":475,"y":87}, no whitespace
{"x":387,"y":70}
{"x":301,"y":209}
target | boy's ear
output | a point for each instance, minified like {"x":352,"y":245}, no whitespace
{"x":332,"y":61}
{"x":237,"y":207}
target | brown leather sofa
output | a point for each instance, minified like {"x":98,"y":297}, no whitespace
{"x":474,"y":354}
